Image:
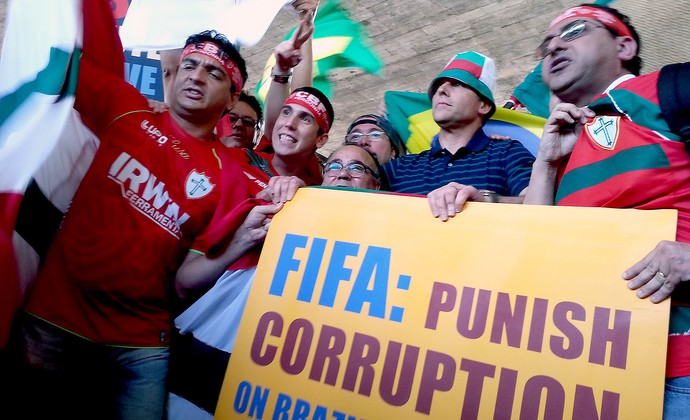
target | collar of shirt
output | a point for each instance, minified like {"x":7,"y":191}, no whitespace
{"x":618,"y":81}
{"x":476,"y":144}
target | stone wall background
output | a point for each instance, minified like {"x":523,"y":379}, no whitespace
{"x":416,"y":38}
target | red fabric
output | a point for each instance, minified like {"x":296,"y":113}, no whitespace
{"x":472,"y":68}
{"x":608,"y":19}
{"x":212,"y":50}
{"x":313,"y":104}
{"x":9,"y":279}
{"x":108,"y":275}
{"x":101,"y":44}
{"x":264,"y":145}
{"x":223,"y":227}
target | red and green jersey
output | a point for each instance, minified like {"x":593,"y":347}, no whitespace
{"x":151,"y":189}
{"x":627,"y":157}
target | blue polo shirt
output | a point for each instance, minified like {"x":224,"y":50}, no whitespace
{"x":503,"y":166}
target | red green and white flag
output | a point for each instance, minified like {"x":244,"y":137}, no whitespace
{"x":337,"y":42}
{"x":43,"y":142}
{"x":410,"y":115}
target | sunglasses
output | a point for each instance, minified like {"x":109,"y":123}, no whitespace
{"x":354,"y":169}
{"x":569,"y":32}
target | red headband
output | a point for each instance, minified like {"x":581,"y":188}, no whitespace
{"x":313,"y":104}
{"x":209,"y":49}
{"x":609,"y":20}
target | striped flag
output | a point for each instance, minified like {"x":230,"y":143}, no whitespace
{"x":410,"y":115}
{"x":338,"y":41}
{"x":43,"y":142}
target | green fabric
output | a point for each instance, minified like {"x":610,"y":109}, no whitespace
{"x":533,"y":94}
{"x":634,"y":159}
{"x":49,"y":81}
{"x":351,"y":47}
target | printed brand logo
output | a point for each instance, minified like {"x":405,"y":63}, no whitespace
{"x":145,"y":193}
{"x":153,"y":132}
{"x":603,"y":131}
{"x":198,"y":185}
{"x":256,"y":180}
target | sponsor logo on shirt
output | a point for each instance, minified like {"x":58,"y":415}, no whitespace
{"x":256,"y":180}
{"x":198,"y":185}
{"x":603,"y":130}
{"x":155,"y":134}
{"x":146,"y":194}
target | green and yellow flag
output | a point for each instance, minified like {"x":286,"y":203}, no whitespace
{"x":410,"y":115}
{"x":338,"y":41}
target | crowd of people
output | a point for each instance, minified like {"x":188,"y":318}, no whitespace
{"x":150,"y":338}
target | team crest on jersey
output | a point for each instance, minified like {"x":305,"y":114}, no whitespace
{"x":198,"y":185}
{"x":603,"y":130}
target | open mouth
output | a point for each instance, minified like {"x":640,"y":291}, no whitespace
{"x":193,"y":93}
{"x":287,"y":138}
{"x":559,"y":64}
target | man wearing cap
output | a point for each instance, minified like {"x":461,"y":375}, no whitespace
{"x":95,"y":330}
{"x":376,"y":134}
{"x":615,"y":139}
{"x":463,"y":163}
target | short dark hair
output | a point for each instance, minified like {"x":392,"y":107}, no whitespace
{"x":254,"y":103}
{"x":225,"y":45}
{"x":323,"y":98}
{"x":634,"y":65}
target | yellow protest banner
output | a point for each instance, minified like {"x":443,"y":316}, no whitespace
{"x":366,"y":307}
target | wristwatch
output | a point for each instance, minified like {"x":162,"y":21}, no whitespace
{"x":489,"y":196}
{"x":281,"y":78}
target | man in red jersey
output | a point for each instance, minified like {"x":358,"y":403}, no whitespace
{"x":611,"y":142}
{"x":95,"y":329}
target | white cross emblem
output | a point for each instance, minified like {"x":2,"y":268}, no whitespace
{"x":198,"y":185}
{"x":603,"y":130}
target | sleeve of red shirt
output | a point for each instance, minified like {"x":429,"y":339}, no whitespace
{"x":236,"y":203}
{"x":103,"y":94}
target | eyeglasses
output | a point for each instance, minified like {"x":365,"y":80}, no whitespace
{"x":246,"y":121}
{"x":355,"y":138}
{"x":354,"y":169}
{"x":571,"y":31}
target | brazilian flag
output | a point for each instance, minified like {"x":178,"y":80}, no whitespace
{"x":338,"y":41}
{"x":410,"y":115}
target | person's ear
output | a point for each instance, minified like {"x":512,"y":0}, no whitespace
{"x":627,"y":48}
{"x":484,"y":109}
{"x":322,"y":140}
